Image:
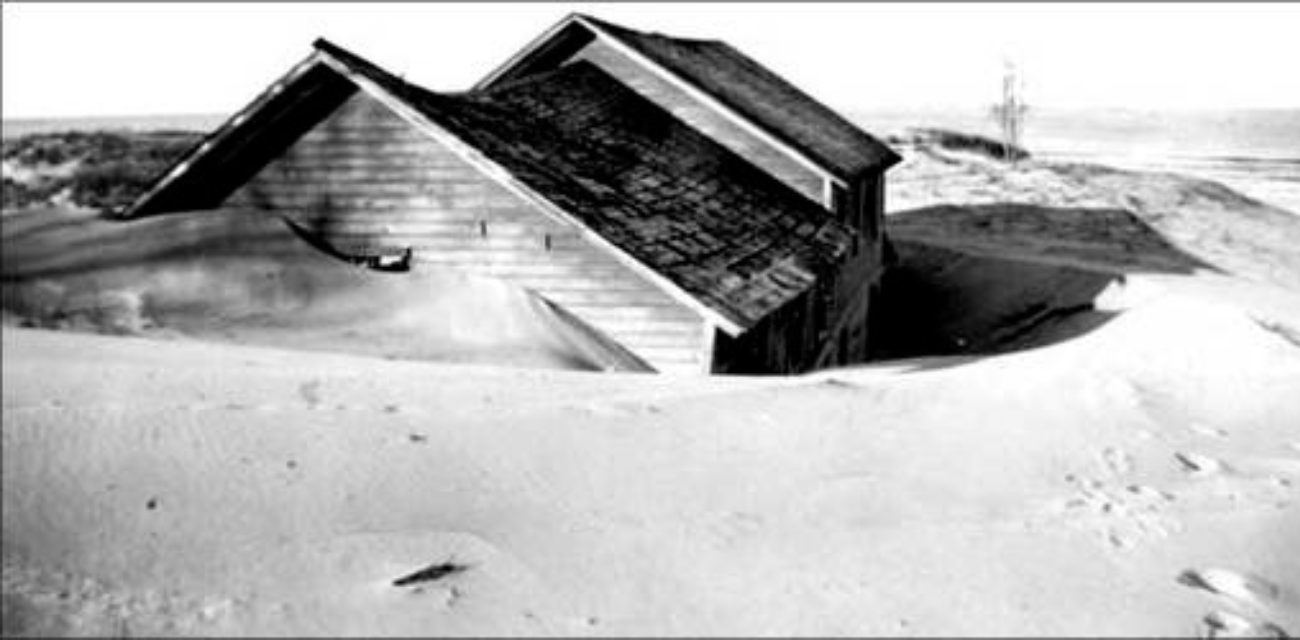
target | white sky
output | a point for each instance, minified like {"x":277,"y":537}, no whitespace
{"x":157,"y":58}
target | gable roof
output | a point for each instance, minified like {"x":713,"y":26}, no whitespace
{"x":235,"y":151}
{"x":669,"y":201}
{"x":739,"y":83}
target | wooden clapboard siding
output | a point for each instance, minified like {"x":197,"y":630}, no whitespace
{"x":704,"y":118}
{"x":369,"y":182}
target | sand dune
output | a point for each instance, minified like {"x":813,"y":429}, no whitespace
{"x":1056,"y":211}
{"x":1127,"y":466}
{"x":265,"y":491}
{"x":994,"y":258}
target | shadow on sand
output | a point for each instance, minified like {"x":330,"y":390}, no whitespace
{"x":988,"y":279}
{"x":964,"y":281}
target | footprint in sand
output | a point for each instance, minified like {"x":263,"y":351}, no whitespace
{"x":1240,"y":588}
{"x":1198,"y":465}
{"x":1245,"y":592}
{"x":1252,"y":480}
{"x":1122,"y":516}
{"x":1117,"y":461}
{"x":1221,"y":624}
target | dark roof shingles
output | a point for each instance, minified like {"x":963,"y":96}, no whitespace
{"x":763,"y":97}
{"x":738,"y":240}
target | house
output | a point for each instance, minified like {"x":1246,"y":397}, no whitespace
{"x":758,"y":115}
{"x":694,"y":247}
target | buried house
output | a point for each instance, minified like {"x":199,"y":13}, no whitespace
{"x":673,"y":196}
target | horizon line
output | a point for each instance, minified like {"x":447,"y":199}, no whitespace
{"x":900,"y":107}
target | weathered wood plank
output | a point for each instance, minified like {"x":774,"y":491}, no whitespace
{"x":360,"y":148}
{"x":501,"y":209}
{"x":571,"y":266}
{"x":313,"y":174}
{"x":597,"y":299}
{"x":680,"y":344}
{"x":615,"y":315}
{"x":383,"y":188}
{"x":446,"y":226}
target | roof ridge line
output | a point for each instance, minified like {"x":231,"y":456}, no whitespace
{"x":606,"y":24}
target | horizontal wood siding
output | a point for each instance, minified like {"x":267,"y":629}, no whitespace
{"x":703,"y":118}
{"x":371,"y":183}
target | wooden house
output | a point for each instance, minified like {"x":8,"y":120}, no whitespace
{"x":697,"y":238}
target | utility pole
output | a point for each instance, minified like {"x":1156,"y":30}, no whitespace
{"x":1010,"y":113}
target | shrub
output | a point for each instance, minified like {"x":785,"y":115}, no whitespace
{"x":958,"y":141}
{"x":112,"y":168}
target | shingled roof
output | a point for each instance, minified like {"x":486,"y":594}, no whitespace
{"x":738,"y":82}
{"x":734,"y":239}
{"x":717,"y":226}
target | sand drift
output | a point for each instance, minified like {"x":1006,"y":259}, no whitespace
{"x":246,"y":277}
{"x":249,"y":278}
{"x":1139,"y":480}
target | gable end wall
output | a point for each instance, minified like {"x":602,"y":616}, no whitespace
{"x":371,"y":183}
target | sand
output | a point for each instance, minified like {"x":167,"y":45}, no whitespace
{"x":1064,"y":212}
{"x":1138,"y":480}
{"x":244,"y":277}
{"x":1135,"y":476}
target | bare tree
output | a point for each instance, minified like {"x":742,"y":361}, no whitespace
{"x":1010,"y":113}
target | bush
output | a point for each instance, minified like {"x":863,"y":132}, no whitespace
{"x":18,"y":195}
{"x":958,"y":141}
{"x":111,"y":170}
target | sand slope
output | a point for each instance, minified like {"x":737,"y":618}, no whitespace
{"x":1060,"y":211}
{"x":245,"y":277}
{"x":994,"y":257}
{"x":1131,"y":470}
{"x":1138,"y":480}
